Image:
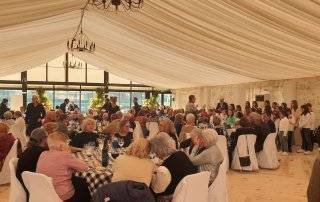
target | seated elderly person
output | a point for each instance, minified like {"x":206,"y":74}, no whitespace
{"x":124,"y":133}
{"x":51,"y":116}
{"x":87,"y":135}
{"x":177,"y":164}
{"x":6,"y":142}
{"x":245,"y":128}
{"x":261,"y":130}
{"x":178,"y":122}
{"x":8,"y":118}
{"x":216,"y":124}
{"x":189,"y":143}
{"x":167,"y":126}
{"x":28,"y":159}
{"x":59,"y":164}
{"x":206,"y":155}
{"x":135,"y":165}
{"x":190,"y":125}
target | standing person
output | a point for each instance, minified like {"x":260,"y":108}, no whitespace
{"x":191,"y":107}
{"x":305,"y":125}
{"x":222,"y":105}
{"x":313,"y":123}
{"x":35,"y":112}
{"x":256,"y":108}
{"x":4,"y":107}
{"x":267,"y":108}
{"x":113,"y":107}
{"x":283,"y":133}
{"x":296,"y":112}
{"x":136,"y":106}
{"x":292,"y":123}
{"x":63,"y":106}
{"x":106,"y":104}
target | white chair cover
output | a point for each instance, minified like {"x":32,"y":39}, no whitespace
{"x":153,"y":128}
{"x":268,"y":158}
{"x":218,"y":189}
{"x":241,"y":151}
{"x":17,"y":193}
{"x":192,"y":188}
{"x":40,"y":187}
{"x":137,"y":132}
{"x":222,"y":144}
{"x":5,"y":172}
{"x":19,"y":132}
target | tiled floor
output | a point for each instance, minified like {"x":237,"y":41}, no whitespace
{"x":288,"y":183}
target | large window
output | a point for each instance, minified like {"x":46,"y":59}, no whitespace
{"x":85,"y":100}
{"x":9,"y":94}
{"x":167,"y":99}
{"x":48,"y":93}
{"x":140,"y":95}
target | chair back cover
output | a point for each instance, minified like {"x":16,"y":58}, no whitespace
{"x":17,"y":193}
{"x":5,"y":172}
{"x":218,"y":189}
{"x":153,"y":128}
{"x":192,"y":188}
{"x":222,"y":144}
{"x":268,"y":157}
{"x":40,"y":187}
{"x":137,"y":132}
{"x":19,"y":132}
{"x":245,"y":146}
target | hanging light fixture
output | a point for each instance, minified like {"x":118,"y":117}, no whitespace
{"x":117,"y":5}
{"x":80,"y":41}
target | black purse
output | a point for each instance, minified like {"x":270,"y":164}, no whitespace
{"x":245,"y":160}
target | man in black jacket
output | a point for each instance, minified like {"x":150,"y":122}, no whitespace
{"x":35,"y":112}
{"x":4,"y":107}
{"x":222,"y":105}
{"x":63,"y":106}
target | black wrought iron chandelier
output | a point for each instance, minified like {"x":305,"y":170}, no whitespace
{"x":117,"y":5}
{"x":80,"y":42}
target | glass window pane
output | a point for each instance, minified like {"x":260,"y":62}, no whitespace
{"x":115,"y":79}
{"x":85,"y":100}
{"x":9,"y":95}
{"x":37,"y":73}
{"x":94,"y":74}
{"x":12,"y":77}
{"x":77,"y":74}
{"x":124,"y":101}
{"x":140,"y":95}
{"x":167,"y":100}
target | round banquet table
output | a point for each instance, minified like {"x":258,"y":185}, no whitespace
{"x":97,"y":175}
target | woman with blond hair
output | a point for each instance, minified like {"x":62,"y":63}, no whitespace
{"x":135,"y":165}
{"x":87,"y":135}
{"x":167,"y":126}
{"x":124,"y":135}
{"x":59,"y":164}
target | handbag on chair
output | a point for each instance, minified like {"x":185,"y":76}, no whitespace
{"x":244,"y":160}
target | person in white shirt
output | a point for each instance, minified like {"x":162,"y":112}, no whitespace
{"x":283,"y":132}
{"x":305,"y":123}
{"x":313,"y":123}
{"x":292,"y":123}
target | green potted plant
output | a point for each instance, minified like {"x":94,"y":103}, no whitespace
{"x":43,"y":98}
{"x":99,"y":98}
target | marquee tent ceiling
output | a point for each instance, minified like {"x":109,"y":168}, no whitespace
{"x":171,"y":43}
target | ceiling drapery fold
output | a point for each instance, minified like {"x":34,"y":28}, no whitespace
{"x":171,"y":44}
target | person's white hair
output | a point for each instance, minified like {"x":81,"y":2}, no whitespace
{"x":190,"y":118}
{"x":85,"y":122}
{"x":209,"y":137}
{"x":7,"y":115}
{"x":162,"y":145}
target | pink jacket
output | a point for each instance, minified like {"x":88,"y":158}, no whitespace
{"x":60,"y":165}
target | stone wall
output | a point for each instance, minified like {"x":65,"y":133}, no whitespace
{"x":303,"y":89}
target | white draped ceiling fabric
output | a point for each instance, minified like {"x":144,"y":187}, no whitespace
{"x":171,"y":43}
